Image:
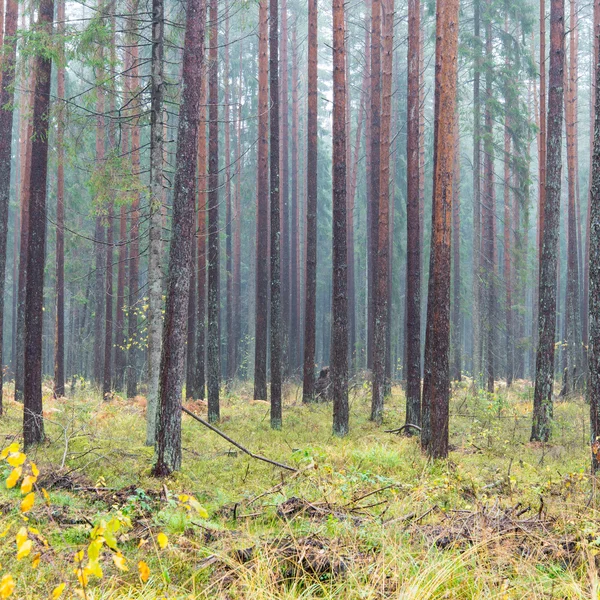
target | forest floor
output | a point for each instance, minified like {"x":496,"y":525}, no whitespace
{"x":364,"y":517}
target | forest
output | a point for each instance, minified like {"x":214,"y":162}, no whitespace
{"x":299,"y":299}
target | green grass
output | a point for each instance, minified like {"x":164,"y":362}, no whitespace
{"x":388,"y":549}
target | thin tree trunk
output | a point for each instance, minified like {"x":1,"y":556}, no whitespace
{"x":155,"y":275}
{"x":544,"y":377}
{"x":310,"y":291}
{"x":436,"y":383}
{"x":413,"y":221}
{"x":262,"y":208}
{"x":339,"y":329}
{"x":120,"y":355}
{"x":6,"y":127}
{"x":489,"y":218}
{"x":375,"y":116}
{"x":275,"y":224}
{"x":213,"y":349}
{"x":594,"y":266}
{"x":59,"y":339}
{"x":168,"y":447}
{"x":201,"y":243}
{"x":383,"y":220}
{"x":33,"y":421}
{"x":508,"y":256}
{"x":456,"y":308}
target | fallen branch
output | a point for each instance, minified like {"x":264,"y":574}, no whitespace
{"x":401,"y":429}
{"x":236,"y":444}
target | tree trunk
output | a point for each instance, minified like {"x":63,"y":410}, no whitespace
{"x":594,"y":268}
{"x":6,"y":126}
{"x":33,"y":421}
{"x":310,"y":291}
{"x":120,"y":355}
{"x":413,"y":221}
{"x":544,"y":376}
{"x":213,"y":346}
{"x":375,"y":176}
{"x":168,"y":447}
{"x":201,"y":242}
{"x":489,"y":218}
{"x":262,"y":208}
{"x":383,"y":220}
{"x":155,"y":275}
{"x":339,"y":329}
{"x":436,"y":382}
{"x":275,"y":224}
{"x":456,"y":312}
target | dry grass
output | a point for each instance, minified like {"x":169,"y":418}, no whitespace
{"x":366,"y":517}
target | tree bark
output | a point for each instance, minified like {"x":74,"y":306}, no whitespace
{"x":413,"y":221}
{"x":544,"y":376}
{"x":339,"y":329}
{"x":436,"y":382}
{"x":168,"y":447}
{"x":383,"y":220}
{"x":310,"y":291}
{"x":275,"y":224}
{"x":594,"y":268}
{"x":33,"y":421}
{"x":262,"y":207}
{"x":6,"y":126}
{"x":213,"y":346}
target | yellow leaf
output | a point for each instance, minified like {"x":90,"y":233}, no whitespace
{"x":21,"y":536}
{"x":16,"y":459}
{"x":144,"y":570}
{"x":5,"y":532}
{"x":8,"y":450}
{"x":14,"y":476}
{"x":58,"y":590}
{"x":162,"y":539}
{"x":27,"y":484}
{"x":24,"y":549}
{"x":36,"y":561}
{"x":14,"y":447}
{"x":82,"y":577}
{"x":28,"y":502}
{"x":34,"y":470}
{"x":119,"y":561}
{"x":198,"y":507}
{"x":46,"y":496}
{"x":142,"y":542}
{"x":7,"y":586}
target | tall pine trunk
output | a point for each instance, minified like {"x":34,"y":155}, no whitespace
{"x":275,"y":224}
{"x":6,"y":126}
{"x":544,"y":376}
{"x":213,"y":337}
{"x":436,"y":382}
{"x":168,"y":447}
{"x":413,"y":221}
{"x":339,"y":329}
{"x":262,"y":208}
{"x":310,"y":289}
{"x":33,"y":421}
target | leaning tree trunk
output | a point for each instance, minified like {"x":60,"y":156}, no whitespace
{"x":544,"y":376}
{"x":6,"y":126}
{"x":339,"y":329}
{"x":436,"y":382}
{"x":168,"y":446}
{"x":33,"y":421}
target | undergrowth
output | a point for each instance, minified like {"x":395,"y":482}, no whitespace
{"x":365,"y":517}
